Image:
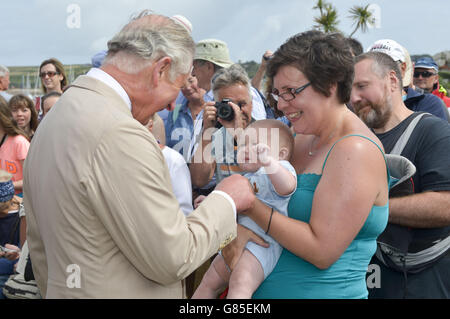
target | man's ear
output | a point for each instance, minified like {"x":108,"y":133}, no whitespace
{"x":210,"y":67}
{"x":161,"y":69}
{"x":394,"y":81}
{"x":436,"y":79}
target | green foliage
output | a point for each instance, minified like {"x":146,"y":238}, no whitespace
{"x":328,"y":19}
{"x":362,"y":18}
{"x":444,"y":79}
{"x":251,"y":67}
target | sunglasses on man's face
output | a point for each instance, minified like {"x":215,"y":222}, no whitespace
{"x":50,"y":74}
{"x":424,"y":74}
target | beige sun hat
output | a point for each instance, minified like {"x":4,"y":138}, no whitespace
{"x":214,"y":51}
{"x":407,"y":79}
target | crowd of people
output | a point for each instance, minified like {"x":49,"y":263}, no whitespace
{"x":166,"y":172}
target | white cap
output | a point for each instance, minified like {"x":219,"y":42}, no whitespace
{"x":389,"y":47}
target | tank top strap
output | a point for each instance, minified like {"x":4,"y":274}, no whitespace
{"x":328,"y":154}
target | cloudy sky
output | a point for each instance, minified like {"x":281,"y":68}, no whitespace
{"x":74,"y":30}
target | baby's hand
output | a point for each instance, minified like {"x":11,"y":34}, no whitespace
{"x":262,"y":154}
{"x":198,"y":200}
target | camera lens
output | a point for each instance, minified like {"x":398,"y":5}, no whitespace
{"x":224,"y":110}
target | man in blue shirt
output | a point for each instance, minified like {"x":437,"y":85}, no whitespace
{"x":179,"y":124}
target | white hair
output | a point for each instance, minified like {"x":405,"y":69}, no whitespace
{"x":148,"y":38}
{"x":230,"y":76}
{"x":3,"y":70}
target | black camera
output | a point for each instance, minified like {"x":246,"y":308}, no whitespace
{"x":224,"y":110}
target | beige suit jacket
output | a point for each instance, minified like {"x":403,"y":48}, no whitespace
{"x":102,"y":218}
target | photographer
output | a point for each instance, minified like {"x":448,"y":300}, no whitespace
{"x":216,"y":156}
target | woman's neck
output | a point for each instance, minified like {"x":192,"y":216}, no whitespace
{"x":58,"y":89}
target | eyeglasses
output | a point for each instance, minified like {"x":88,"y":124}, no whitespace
{"x":50,"y":74}
{"x":290,"y":94}
{"x":424,"y":74}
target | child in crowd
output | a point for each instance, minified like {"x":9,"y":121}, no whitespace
{"x":24,"y":113}
{"x":9,"y":228}
{"x":178,"y":169}
{"x":14,"y":144}
{"x":274,"y":180}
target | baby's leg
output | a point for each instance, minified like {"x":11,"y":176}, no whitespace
{"x":246,"y":277}
{"x":214,"y":281}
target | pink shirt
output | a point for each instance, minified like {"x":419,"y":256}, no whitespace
{"x":12,"y":152}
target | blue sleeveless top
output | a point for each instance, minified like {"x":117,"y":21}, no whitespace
{"x":295,"y":278}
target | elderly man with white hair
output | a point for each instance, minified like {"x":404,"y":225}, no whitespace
{"x":4,"y":83}
{"x":103,"y":221}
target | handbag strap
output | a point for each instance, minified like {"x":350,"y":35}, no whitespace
{"x":404,"y":138}
{"x":14,"y":229}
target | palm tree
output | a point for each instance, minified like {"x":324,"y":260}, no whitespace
{"x":327,"y":20}
{"x":362,"y":18}
{"x":320,"y":5}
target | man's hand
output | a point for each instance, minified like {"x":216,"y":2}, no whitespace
{"x":266,"y":57}
{"x":240,"y":190}
{"x":209,"y":115}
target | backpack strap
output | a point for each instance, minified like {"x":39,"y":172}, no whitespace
{"x":14,"y":229}
{"x":404,"y":138}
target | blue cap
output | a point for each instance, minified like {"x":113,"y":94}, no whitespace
{"x":6,"y":191}
{"x":98,"y":58}
{"x":426,"y":63}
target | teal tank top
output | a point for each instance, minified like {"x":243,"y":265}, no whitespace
{"x":295,"y":278}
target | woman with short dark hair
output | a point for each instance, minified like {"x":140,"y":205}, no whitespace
{"x":341,"y":202}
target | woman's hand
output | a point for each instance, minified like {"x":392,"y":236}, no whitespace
{"x":198,"y":200}
{"x":12,"y":254}
{"x":233,"y":251}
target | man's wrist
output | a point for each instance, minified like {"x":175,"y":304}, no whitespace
{"x":228,"y":197}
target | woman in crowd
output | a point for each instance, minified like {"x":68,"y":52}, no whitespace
{"x":53,"y":78}
{"x":14,"y":144}
{"x":24,"y":113}
{"x":180,"y":122}
{"x":341,"y":202}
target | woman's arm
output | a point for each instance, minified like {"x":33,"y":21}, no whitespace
{"x":18,"y":185}
{"x":233,"y":251}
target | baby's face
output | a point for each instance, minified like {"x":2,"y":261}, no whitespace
{"x":246,"y":153}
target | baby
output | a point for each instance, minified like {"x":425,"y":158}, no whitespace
{"x":273,"y":180}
